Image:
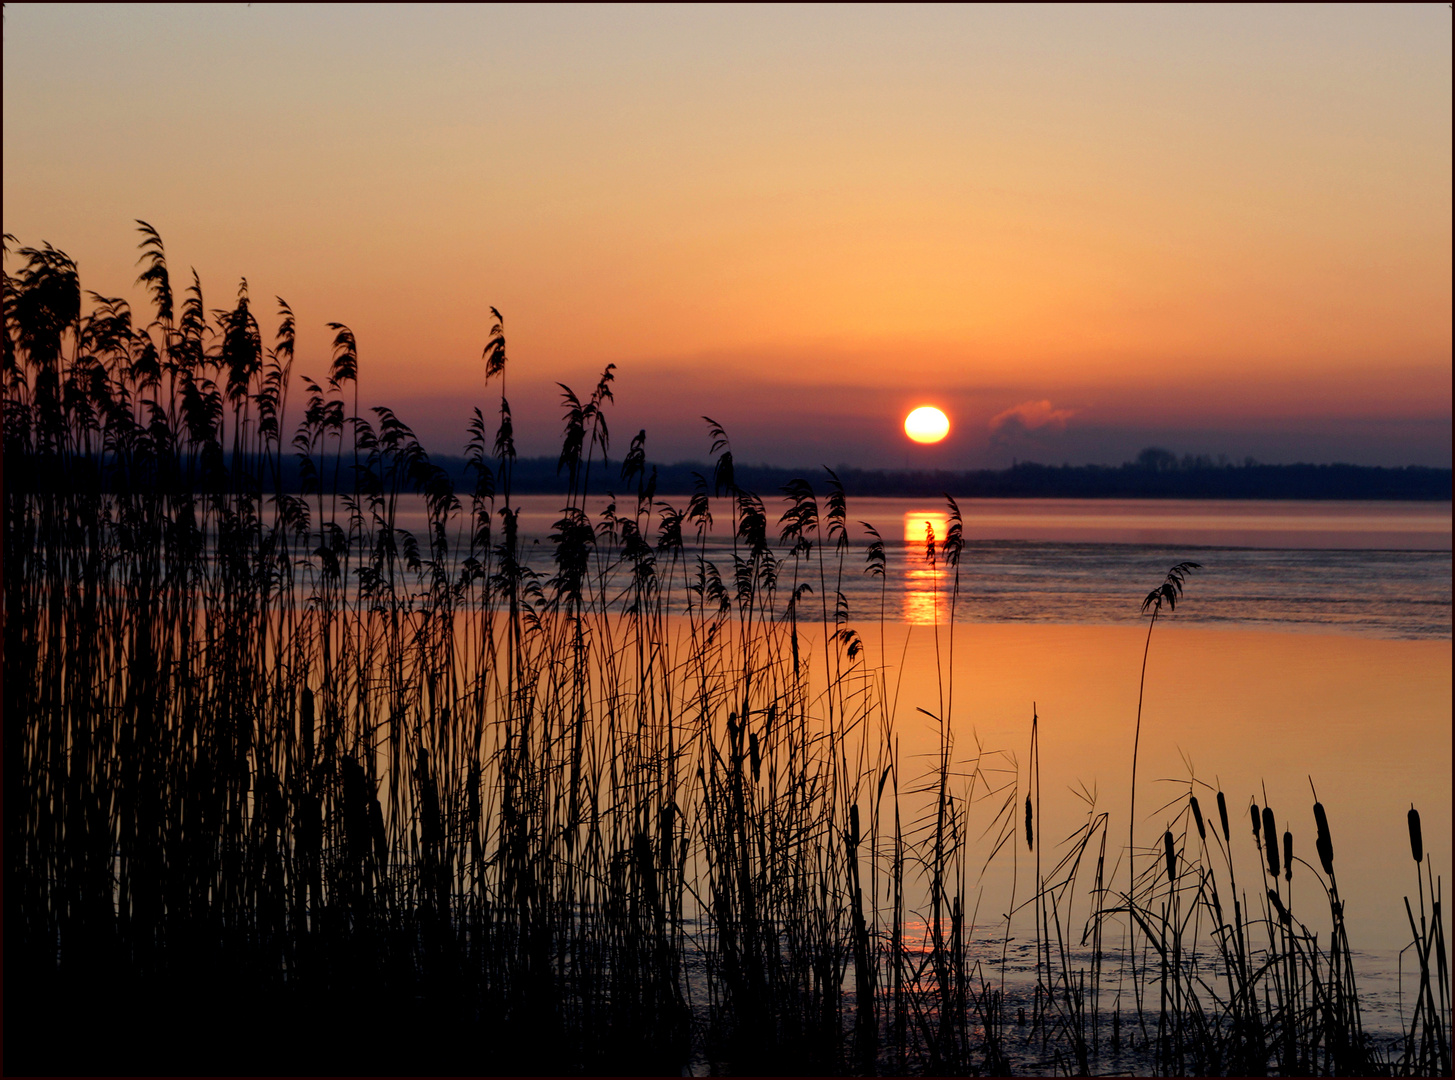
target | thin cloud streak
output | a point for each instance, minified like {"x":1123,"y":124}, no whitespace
{"x":1031,"y":416}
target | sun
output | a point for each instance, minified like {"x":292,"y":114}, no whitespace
{"x":926,"y":424}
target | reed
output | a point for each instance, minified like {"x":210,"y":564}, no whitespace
{"x":289,"y":781}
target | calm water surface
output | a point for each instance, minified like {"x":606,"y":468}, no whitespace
{"x":1378,"y":569}
{"x":1312,"y":648}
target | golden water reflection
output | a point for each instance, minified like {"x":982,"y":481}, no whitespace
{"x":1259,"y":715}
{"x":925,"y":582}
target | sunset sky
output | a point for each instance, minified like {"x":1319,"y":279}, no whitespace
{"x":1079,"y":231}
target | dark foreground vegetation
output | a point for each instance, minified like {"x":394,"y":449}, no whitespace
{"x":289,"y":789}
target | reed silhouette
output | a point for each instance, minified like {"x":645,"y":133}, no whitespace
{"x":290,"y":787}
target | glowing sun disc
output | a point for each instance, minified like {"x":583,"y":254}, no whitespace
{"x":927,"y":424}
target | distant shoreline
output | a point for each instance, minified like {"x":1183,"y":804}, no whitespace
{"x":1195,"y":480}
{"x":1158,"y":478}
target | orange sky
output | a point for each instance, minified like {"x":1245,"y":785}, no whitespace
{"x":1222,"y":230}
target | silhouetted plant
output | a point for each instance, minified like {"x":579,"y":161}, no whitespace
{"x":279,"y":763}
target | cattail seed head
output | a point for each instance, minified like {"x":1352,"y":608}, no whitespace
{"x":1030,"y":833}
{"x":1270,"y":840}
{"x":1283,"y":915}
{"x":1257,"y":821}
{"x":1287,"y":856}
{"x":1417,"y":843}
{"x":1197,"y":817}
{"x":854,"y":826}
{"x":1170,"y":845}
{"x":1323,"y":842}
{"x":1223,"y":817}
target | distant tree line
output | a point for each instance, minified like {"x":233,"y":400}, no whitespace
{"x":1155,"y":474}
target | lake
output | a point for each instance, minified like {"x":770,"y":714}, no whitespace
{"x":731,"y":759}
{"x":1312,"y":649}
{"x":1375,"y":569}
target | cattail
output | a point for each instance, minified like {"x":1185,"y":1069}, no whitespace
{"x":1257,"y":821}
{"x":1283,"y":915}
{"x":753,"y":755}
{"x":854,"y":826}
{"x":307,"y":726}
{"x":1323,"y":842}
{"x":1169,"y":845}
{"x":669,"y":813}
{"x":1287,"y":855}
{"x":1030,"y":833}
{"x":1270,"y":840}
{"x":1417,"y":843}
{"x":1223,"y":815}
{"x":1197,"y":817}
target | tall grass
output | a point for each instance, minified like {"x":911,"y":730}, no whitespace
{"x":290,"y":786}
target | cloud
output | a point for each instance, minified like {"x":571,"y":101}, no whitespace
{"x":1029,"y":416}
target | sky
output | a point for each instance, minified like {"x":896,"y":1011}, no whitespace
{"x":1078,"y":230}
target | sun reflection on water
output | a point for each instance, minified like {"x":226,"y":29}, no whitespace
{"x":924,"y":581}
